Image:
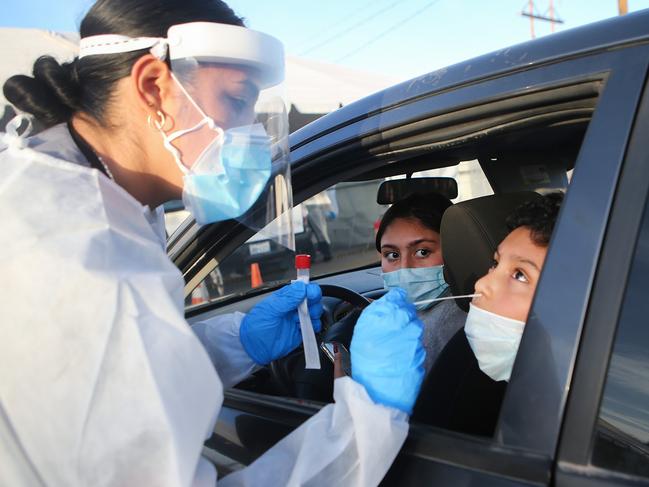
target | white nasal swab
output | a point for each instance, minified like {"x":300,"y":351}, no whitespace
{"x":426,"y":301}
{"x":311,"y":353}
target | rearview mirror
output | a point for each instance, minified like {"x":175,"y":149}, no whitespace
{"x":397,"y":189}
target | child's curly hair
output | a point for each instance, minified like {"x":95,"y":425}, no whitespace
{"x":539,"y":216}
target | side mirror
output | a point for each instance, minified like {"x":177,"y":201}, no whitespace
{"x":394,"y":190}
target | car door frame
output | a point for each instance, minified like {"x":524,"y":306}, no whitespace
{"x":600,"y":326}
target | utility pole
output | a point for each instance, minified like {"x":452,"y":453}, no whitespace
{"x":622,"y":6}
{"x":551,"y":15}
{"x":548,"y":16}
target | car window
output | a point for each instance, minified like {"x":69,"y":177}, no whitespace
{"x":337,"y":227}
{"x":622,"y":431}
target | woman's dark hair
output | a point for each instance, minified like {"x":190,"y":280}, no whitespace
{"x":539,"y":216}
{"x":57,"y":91}
{"x":427,"y":209}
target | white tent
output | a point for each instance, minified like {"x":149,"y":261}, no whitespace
{"x":317,"y":87}
{"x":312,"y":87}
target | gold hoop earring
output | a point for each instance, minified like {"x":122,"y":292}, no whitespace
{"x":159,"y":123}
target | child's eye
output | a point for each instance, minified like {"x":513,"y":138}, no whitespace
{"x":519,"y":276}
{"x":493,"y":265}
{"x":422,"y":253}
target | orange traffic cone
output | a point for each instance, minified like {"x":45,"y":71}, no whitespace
{"x":255,"y":275}
{"x":200,"y":294}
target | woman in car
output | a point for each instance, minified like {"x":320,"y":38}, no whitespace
{"x":410,"y":245}
{"x":465,"y":388}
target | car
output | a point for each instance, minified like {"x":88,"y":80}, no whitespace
{"x":568,"y":111}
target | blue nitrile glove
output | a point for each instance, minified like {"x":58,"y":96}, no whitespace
{"x":271,"y":329}
{"x":387,"y":353}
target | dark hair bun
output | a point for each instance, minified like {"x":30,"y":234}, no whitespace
{"x":52,"y":95}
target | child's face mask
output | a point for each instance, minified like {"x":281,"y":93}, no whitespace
{"x":494,"y":340}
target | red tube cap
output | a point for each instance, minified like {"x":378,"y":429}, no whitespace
{"x":303,"y":261}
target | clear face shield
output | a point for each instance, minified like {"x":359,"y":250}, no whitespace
{"x":228,"y":129}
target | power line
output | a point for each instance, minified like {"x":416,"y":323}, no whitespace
{"x":387,"y":31}
{"x":353,"y":26}
{"x":341,"y":22}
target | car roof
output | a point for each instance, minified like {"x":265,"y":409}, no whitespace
{"x":606,"y":34}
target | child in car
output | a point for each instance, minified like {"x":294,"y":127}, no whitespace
{"x":465,"y":388}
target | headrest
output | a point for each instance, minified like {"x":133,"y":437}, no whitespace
{"x":471,"y":231}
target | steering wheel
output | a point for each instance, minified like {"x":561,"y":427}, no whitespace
{"x":289,"y":374}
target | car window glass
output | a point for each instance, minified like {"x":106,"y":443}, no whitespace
{"x":622,"y":431}
{"x":337,"y":227}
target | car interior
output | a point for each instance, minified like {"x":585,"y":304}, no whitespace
{"x":471,"y":230}
{"x":517,"y":156}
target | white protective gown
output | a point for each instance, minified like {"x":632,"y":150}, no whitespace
{"x":102,"y":382}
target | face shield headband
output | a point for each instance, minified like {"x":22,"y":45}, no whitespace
{"x":203,"y":41}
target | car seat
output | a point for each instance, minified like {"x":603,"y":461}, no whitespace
{"x":471,"y":231}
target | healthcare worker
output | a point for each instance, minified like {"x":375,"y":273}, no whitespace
{"x":102,"y":382}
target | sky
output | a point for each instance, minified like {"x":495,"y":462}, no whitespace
{"x":398,"y":39}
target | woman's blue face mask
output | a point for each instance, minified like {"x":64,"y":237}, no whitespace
{"x":420,"y":283}
{"x":244,"y":164}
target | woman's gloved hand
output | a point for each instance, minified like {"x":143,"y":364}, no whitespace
{"x":271,"y":329}
{"x":387,"y":353}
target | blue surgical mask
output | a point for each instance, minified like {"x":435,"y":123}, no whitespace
{"x":246,"y":167}
{"x":229,"y":175}
{"x":494,"y":340}
{"x":420,"y":283}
